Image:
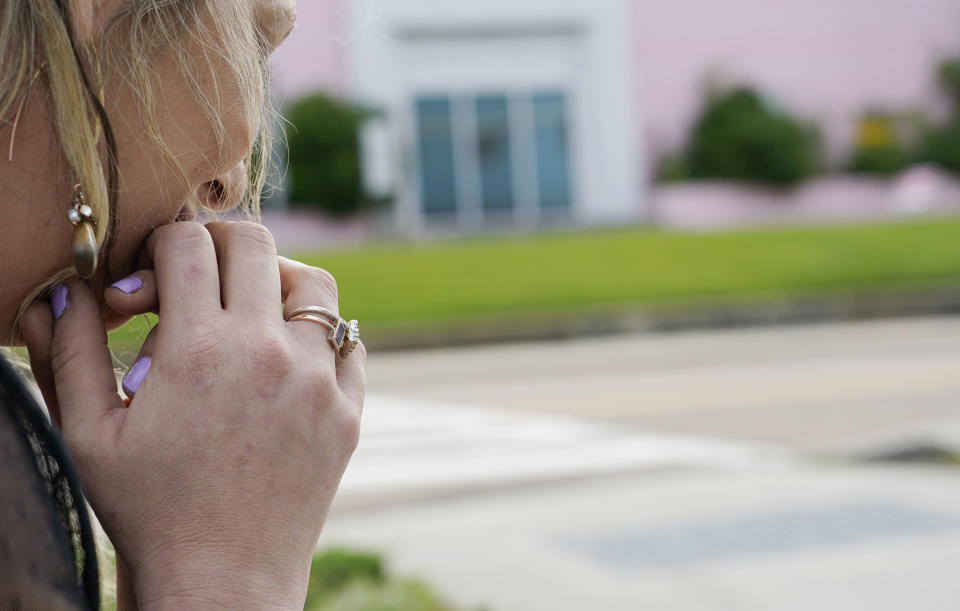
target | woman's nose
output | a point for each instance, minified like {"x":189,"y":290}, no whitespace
{"x":275,"y":19}
{"x":226,"y":191}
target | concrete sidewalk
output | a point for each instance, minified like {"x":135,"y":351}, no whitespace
{"x":714,"y":470}
{"x":800,"y":538}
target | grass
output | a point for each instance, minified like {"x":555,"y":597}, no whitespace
{"x":391,"y":285}
{"x":397,"y":284}
{"x":340,"y":580}
{"x":346,"y":580}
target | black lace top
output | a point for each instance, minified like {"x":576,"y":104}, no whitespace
{"x":47,"y":554}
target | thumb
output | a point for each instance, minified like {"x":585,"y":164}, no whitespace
{"x":79,"y":359}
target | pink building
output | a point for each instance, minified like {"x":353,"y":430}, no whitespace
{"x":522,"y":113}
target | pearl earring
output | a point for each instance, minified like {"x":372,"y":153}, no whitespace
{"x":85,"y":250}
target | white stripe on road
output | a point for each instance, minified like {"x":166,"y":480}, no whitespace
{"x":412,"y":447}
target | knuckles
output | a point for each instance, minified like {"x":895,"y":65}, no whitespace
{"x":320,"y":278}
{"x":348,"y":428}
{"x":270,"y":362}
{"x":191,"y":236}
{"x":261,"y":360}
{"x":324,"y":279}
{"x":319,"y":384}
{"x":249,"y":235}
{"x":180,"y":235}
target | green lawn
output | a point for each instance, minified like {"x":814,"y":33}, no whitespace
{"x":397,"y":284}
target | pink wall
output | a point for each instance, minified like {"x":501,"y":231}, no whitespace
{"x":825,"y":59}
{"x":314,"y":56}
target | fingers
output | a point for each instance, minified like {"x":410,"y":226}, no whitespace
{"x":137,"y":374}
{"x":249,"y":278}
{"x":302,"y":285}
{"x":305,"y":285}
{"x":188,"y":257}
{"x":185,"y":266}
{"x":352,"y":375}
{"x":36,"y":326}
{"x":79,"y":359}
{"x":136,"y":294}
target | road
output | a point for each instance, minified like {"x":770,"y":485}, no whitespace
{"x":703,"y":470}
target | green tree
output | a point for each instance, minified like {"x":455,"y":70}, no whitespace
{"x":741,"y":135}
{"x":942,"y":146}
{"x":324,"y":154}
{"x":948,"y":72}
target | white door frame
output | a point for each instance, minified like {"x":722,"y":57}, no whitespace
{"x":396,"y":48}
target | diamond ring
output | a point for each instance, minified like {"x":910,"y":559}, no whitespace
{"x":343,"y":336}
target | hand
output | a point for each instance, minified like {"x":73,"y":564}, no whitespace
{"x":215,"y":483}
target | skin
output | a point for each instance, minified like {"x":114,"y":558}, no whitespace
{"x":215,"y":482}
{"x":151,"y":192}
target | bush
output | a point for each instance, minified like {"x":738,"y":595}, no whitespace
{"x":941,"y":144}
{"x":335,"y":568}
{"x":324,"y":154}
{"x":942,"y":147}
{"x":879,"y":147}
{"x":949,"y":74}
{"x":881,"y":161}
{"x":398,"y":595}
{"x":342,"y":580}
{"x":742,"y":136}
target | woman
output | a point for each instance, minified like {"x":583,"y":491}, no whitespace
{"x":120,"y":118}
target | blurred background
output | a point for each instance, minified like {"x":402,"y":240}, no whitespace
{"x":660,"y":297}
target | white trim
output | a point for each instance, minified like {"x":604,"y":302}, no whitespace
{"x":402,"y":47}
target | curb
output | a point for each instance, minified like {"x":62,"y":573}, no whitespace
{"x":716,"y":314}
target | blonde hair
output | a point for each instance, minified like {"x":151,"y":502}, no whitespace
{"x":36,"y":40}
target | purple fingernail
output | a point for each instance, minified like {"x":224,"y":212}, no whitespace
{"x":59,"y":300}
{"x":130,"y":284}
{"x":136,"y":375}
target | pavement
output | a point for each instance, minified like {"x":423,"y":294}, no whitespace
{"x":699,"y":470}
